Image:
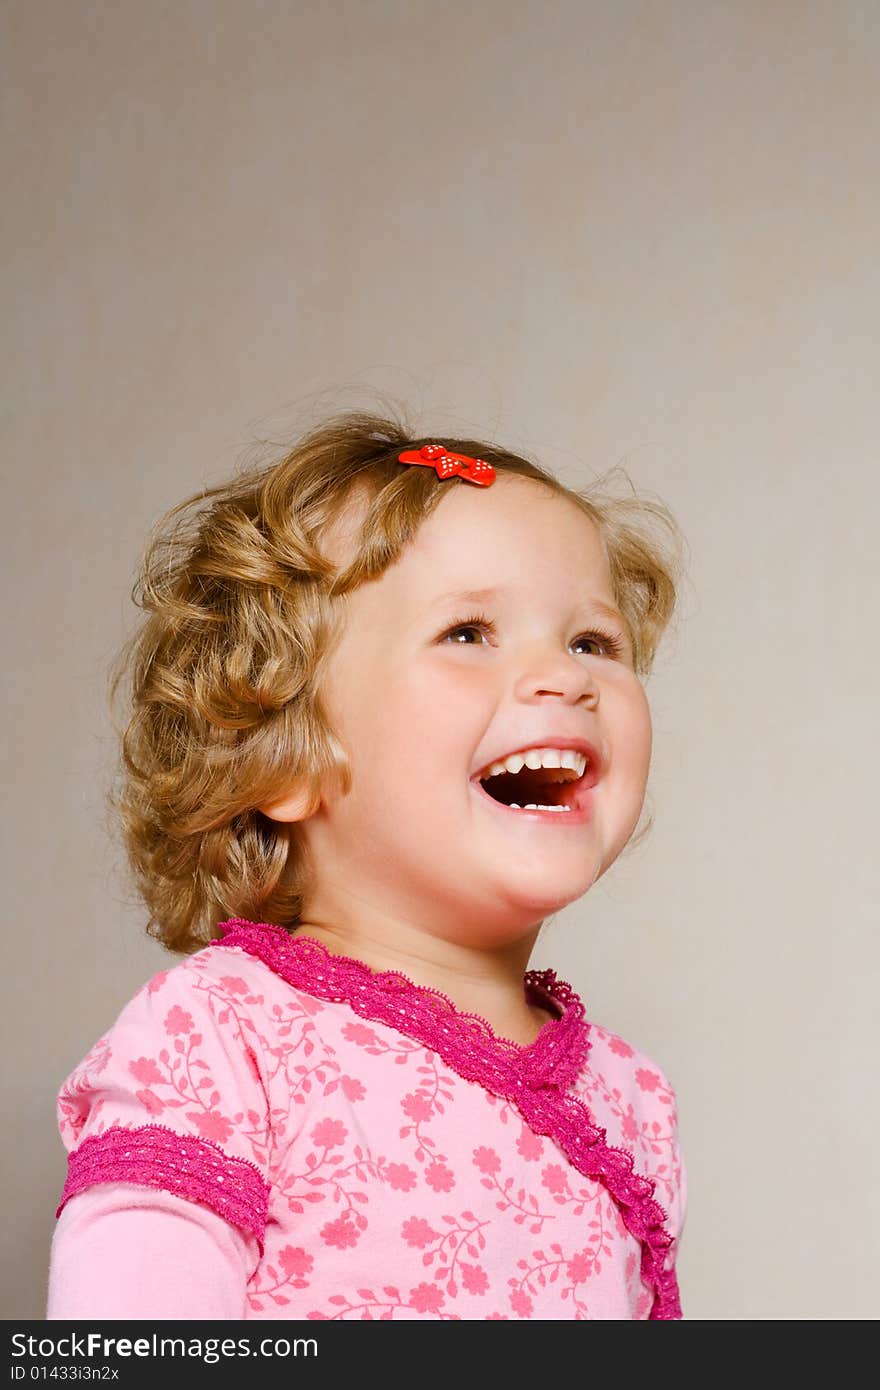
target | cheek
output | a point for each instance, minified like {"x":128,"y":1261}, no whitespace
{"x":409,"y":726}
{"x":439,"y":689}
{"x":631,"y":732}
{"x":421,"y":739}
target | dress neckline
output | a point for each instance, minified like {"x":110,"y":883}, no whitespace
{"x":533,"y":993}
{"x":554,"y":1057}
{"x":538,"y":1078}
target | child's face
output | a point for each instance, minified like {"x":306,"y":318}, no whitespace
{"x":421,"y":713}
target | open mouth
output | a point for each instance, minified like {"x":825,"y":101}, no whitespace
{"x":544,"y":786}
{"x":550,"y":793}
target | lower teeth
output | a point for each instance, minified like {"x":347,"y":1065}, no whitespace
{"x":514,"y":806}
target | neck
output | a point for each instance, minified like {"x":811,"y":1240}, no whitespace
{"x":485,"y":979}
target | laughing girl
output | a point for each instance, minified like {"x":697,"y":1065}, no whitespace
{"x":386,"y":715}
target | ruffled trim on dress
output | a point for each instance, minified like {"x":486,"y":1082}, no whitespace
{"x":156,"y":1156}
{"x":535,"y":1078}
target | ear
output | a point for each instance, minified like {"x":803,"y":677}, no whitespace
{"x":292,"y":807}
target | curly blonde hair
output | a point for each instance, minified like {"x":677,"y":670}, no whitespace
{"x":223,"y":676}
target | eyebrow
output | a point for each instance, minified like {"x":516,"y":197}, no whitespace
{"x":483,"y":595}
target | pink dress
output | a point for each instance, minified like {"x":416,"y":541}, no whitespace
{"x":269,"y":1130}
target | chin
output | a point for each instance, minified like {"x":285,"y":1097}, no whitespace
{"x":540,"y":899}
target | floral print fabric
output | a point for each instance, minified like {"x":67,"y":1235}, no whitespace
{"x":392,"y":1156}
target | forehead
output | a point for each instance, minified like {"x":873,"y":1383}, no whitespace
{"x":519,"y":538}
{"x":517,"y":535}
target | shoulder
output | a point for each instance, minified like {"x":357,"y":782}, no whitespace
{"x":622,"y":1068}
{"x":636,"y":1100}
{"x":184,"y":1052}
{"x":220,"y":991}
{"x":196,"y":1042}
{"x":216,"y":975}
{"x":177,"y":1094}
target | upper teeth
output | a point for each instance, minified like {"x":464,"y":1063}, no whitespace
{"x":539,"y":757}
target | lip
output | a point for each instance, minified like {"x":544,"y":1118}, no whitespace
{"x":581,"y":810}
{"x":582,"y":805}
{"x":580,"y":745}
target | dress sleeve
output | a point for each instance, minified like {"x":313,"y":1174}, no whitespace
{"x":166,"y":1123}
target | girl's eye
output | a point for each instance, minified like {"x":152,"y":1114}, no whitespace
{"x":471,"y":625}
{"x":613,"y":645}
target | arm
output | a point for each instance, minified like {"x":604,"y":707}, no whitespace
{"x":167,"y":1128}
{"x":123,"y":1251}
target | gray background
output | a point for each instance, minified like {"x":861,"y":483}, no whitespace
{"x":602,"y":232}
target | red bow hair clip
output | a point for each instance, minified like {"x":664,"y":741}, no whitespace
{"x":448,"y":464}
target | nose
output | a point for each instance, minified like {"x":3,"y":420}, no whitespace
{"x":552,"y":672}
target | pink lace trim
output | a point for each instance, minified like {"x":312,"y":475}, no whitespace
{"x":156,"y":1156}
{"x":534,"y":1078}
